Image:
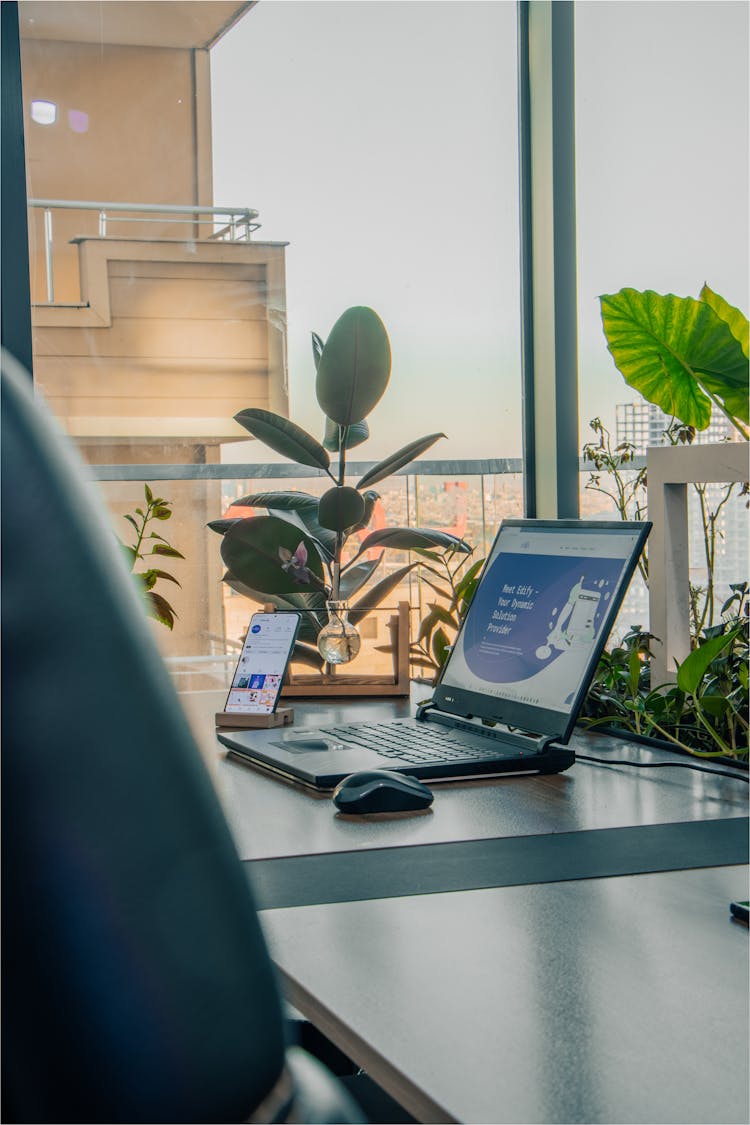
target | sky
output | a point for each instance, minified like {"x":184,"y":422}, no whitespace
{"x":379,"y":139}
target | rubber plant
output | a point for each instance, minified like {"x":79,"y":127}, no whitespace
{"x":295,"y":556}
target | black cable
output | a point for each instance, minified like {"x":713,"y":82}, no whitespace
{"x":685,"y":765}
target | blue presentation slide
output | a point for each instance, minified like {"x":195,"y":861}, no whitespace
{"x":533,"y":622}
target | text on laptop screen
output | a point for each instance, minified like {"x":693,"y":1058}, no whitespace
{"x":533,"y":627}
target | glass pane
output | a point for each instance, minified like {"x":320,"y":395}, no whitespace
{"x":379,"y":140}
{"x":662,"y":182}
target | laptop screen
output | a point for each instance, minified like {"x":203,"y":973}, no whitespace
{"x":541,"y":614}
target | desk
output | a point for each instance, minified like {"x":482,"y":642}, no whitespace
{"x":602,"y":1000}
{"x":561,"y":986}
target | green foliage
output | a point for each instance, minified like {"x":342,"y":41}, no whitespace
{"x":454,"y":578}
{"x":683,"y":354}
{"x":704,"y":713}
{"x":294,"y":556}
{"x":149,"y":543}
{"x":687,"y":356}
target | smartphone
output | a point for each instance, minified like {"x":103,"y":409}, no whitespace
{"x":740,"y":910}
{"x":256,"y":685}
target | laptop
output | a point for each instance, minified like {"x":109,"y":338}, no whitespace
{"x":513,"y":685}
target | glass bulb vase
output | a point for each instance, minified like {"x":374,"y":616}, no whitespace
{"x":338,"y":641}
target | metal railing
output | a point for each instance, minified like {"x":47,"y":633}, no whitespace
{"x":237,"y":223}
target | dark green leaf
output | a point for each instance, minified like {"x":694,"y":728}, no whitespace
{"x":166,"y":549}
{"x":468,"y":579}
{"x":694,"y":667}
{"x":355,"y":435}
{"x":159,"y":608}
{"x":284,"y":437}
{"x":354,"y":368}
{"x":162,"y":513}
{"x":255,"y":549}
{"x":410,"y":538}
{"x":377,"y":593}
{"x":340,"y":507}
{"x":222,"y":526}
{"x":716,"y":705}
{"x":162,"y":574}
{"x":148,"y":494}
{"x":356,"y":576}
{"x":397,"y":460}
{"x":131,"y":520}
{"x":440,"y":647}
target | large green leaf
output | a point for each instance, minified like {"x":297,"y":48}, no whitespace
{"x":355,"y":435}
{"x":340,"y":507}
{"x":356,"y":576}
{"x":737,"y":321}
{"x":378,"y":593}
{"x":408,"y":538}
{"x":670,"y":348}
{"x":255,"y":549}
{"x":355,"y":366}
{"x":398,"y":460}
{"x":299,"y":504}
{"x":694,"y":667}
{"x":284,"y":437}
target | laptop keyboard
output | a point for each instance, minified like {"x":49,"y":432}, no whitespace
{"x":415,"y":742}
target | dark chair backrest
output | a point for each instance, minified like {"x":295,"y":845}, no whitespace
{"x":136,"y":985}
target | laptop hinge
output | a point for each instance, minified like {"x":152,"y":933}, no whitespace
{"x":535,"y":743}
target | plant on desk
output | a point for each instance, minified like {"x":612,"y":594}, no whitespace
{"x":689,"y":357}
{"x":296,"y":556}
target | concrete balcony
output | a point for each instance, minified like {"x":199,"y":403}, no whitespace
{"x":168,"y":339}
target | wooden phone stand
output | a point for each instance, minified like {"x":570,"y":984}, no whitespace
{"x":281,"y":717}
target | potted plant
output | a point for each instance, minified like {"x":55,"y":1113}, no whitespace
{"x":297,"y":556}
{"x":689,"y":357}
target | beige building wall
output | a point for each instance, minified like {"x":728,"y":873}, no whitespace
{"x":156,"y":334}
{"x":132,"y":126}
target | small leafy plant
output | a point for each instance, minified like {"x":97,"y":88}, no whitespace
{"x":689,"y":357}
{"x":704,"y":712}
{"x":149,"y":543}
{"x":297,"y":556}
{"x":454,"y":579}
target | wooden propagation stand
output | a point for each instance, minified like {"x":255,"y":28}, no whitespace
{"x":338,"y":683}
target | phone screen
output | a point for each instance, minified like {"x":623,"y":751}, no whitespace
{"x":260,"y":669}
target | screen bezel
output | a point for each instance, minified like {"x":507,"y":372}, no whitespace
{"x":526,"y":716}
{"x":292,"y":640}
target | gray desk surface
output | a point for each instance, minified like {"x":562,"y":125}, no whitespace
{"x":546,"y":993}
{"x":270,"y":818}
{"x":603,"y":1000}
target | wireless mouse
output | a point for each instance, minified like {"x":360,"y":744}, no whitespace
{"x":380,"y":791}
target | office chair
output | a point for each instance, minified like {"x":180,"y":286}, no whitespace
{"x":137,"y":983}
